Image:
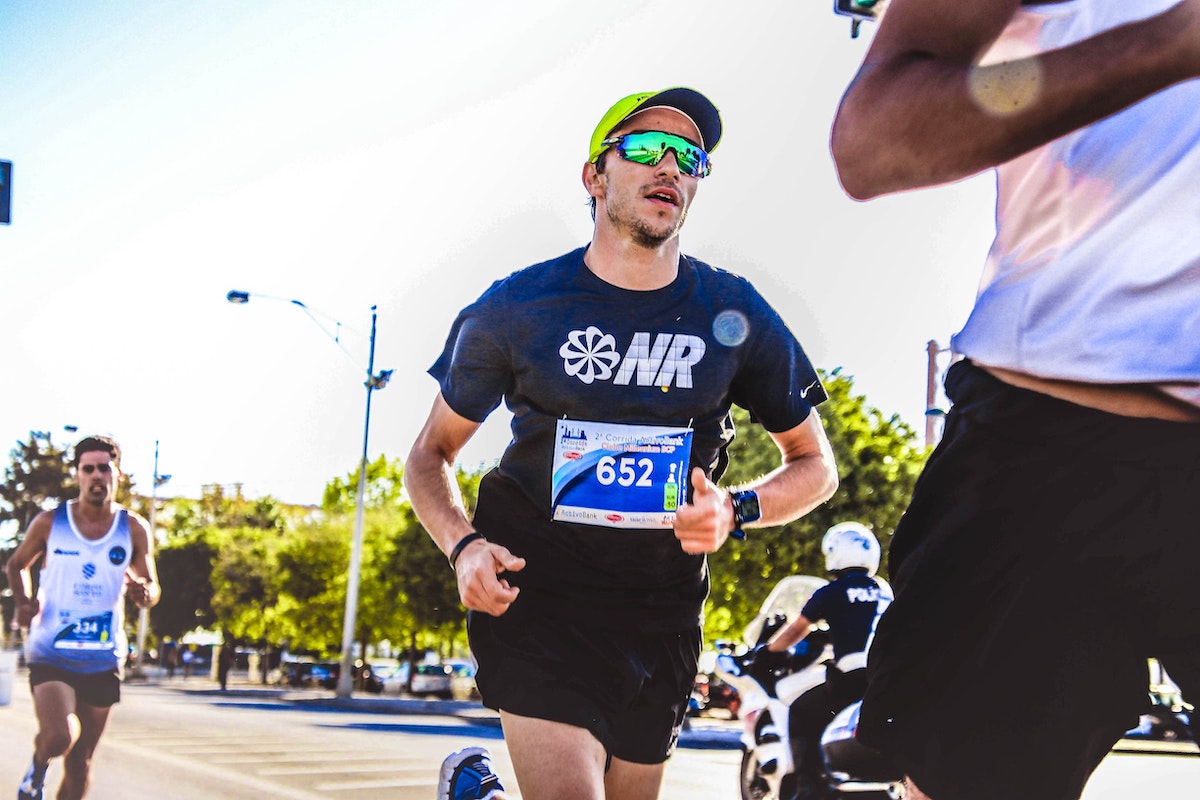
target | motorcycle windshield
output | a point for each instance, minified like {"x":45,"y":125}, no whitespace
{"x":787,"y":598}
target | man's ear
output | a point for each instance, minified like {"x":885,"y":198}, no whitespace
{"x":593,"y":180}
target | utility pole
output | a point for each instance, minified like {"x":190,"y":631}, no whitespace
{"x":933,"y":414}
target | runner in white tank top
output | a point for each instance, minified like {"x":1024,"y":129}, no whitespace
{"x":81,"y":591}
{"x":94,"y":554}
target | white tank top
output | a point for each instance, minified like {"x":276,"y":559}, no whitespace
{"x":1094,"y":274}
{"x":81,"y":588}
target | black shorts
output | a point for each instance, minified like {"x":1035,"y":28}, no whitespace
{"x":629,"y":689}
{"x":98,"y":689}
{"x":1048,"y":551}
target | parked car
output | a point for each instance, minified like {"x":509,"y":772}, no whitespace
{"x":429,"y":679}
{"x":462,"y":680}
{"x":301,"y":674}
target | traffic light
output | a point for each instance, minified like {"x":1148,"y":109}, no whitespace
{"x":5,"y":192}
{"x":859,"y":11}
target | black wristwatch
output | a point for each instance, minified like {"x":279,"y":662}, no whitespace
{"x":745,"y":509}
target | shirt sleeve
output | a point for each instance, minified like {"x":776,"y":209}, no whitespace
{"x":777,"y":383}
{"x":475,"y":368}
{"x":817,"y":607}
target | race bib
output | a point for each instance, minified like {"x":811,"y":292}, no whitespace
{"x":619,"y":476}
{"x":85,"y":633}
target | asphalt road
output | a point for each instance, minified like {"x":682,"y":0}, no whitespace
{"x":187,"y":741}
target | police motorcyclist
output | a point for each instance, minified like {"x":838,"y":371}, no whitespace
{"x":850,"y":605}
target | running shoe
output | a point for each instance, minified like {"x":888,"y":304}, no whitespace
{"x":31,"y":784}
{"x":467,"y":775}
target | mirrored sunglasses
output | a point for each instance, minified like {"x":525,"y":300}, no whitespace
{"x":649,"y":147}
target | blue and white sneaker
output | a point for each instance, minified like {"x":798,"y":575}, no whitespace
{"x":31,"y":784}
{"x":467,"y":775}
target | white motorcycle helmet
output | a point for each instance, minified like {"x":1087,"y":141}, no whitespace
{"x":850,"y":544}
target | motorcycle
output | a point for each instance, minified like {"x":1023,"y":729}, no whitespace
{"x":1167,"y":720}
{"x":850,"y":769}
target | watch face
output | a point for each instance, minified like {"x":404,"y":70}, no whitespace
{"x":748,"y":509}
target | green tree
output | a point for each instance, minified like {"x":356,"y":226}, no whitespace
{"x":312,"y":562}
{"x":878,"y":462}
{"x":412,"y":569}
{"x":37,"y":477}
{"x":185,"y":566}
{"x":219,"y":508}
{"x":384,"y":488}
{"x":243,"y":582}
{"x":215,"y":563}
{"x":409,"y":590}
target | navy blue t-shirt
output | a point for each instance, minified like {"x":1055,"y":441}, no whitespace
{"x":850,"y":604}
{"x":554,"y":341}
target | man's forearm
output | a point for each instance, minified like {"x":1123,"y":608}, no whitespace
{"x":436,"y":500}
{"x":795,"y":488}
{"x":916,"y":119}
{"x":18,"y":582}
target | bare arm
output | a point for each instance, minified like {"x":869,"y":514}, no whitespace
{"x":806,"y":478}
{"x":790,"y":634}
{"x":920,"y":112}
{"x":31,"y":548}
{"x":141,"y":579}
{"x":433,"y":491}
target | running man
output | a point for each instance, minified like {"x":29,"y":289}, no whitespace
{"x":584,"y":567}
{"x":94,"y":554}
{"x":1050,"y":545}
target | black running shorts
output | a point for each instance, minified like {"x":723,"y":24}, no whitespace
{"x":629,"y":689}
{"x":99,"y":689}
{"x":1048,"y":551}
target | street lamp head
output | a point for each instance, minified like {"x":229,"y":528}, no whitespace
{"x":381,"y":380}
{"x":237,"y":298}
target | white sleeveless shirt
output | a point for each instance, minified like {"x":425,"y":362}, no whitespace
{"x":81,"y":588}
{"x":1094,"y":274}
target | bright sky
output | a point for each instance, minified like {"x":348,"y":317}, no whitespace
{"x":402,"y":155}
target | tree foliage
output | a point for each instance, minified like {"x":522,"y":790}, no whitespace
{"x":244,"y":590}
{"x":384,"y":488}
{"x":185,"y":566}
{"x":311,"y":579}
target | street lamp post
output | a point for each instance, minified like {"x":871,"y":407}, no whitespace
{"x":144,"y":613}
{"x":345,"y":684}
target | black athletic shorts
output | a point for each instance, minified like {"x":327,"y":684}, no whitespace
{"x":99,"y":689}
{"x":1047,"y":552}
{"x":629,"y":689}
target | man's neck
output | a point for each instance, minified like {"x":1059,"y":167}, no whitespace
{"x":91,"y":517}
{"x":621,"y":262}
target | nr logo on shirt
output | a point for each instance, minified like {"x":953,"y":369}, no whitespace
{"x":662,"y":360}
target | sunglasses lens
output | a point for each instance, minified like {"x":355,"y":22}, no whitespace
{"x":650,"y":147}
